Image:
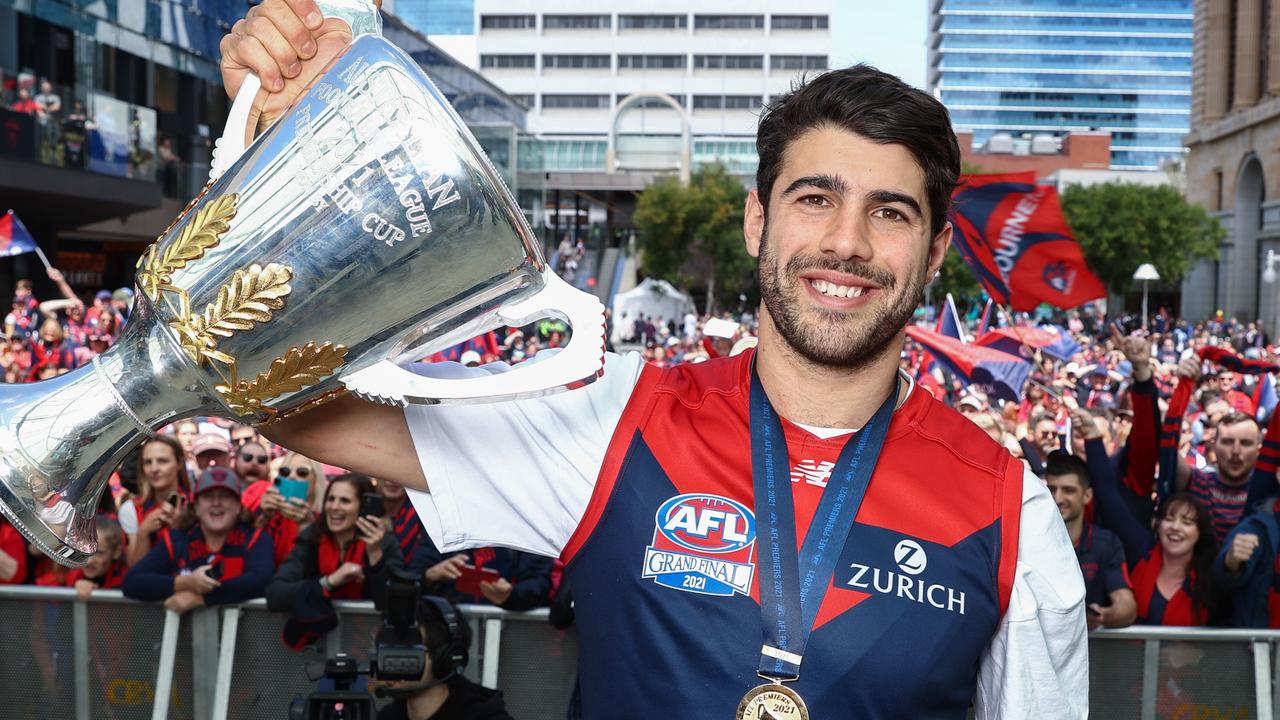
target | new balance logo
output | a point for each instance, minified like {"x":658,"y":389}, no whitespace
{"x":812,"y":472}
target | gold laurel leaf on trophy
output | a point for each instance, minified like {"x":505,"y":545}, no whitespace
{"x":196,"y":237}
{"x":299,"y":368}
{"x":249,"y":297}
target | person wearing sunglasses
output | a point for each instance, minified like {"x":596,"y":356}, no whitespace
{"x":252,"y":462}
{"x":286,"y":505}
{"x":241,"y":434}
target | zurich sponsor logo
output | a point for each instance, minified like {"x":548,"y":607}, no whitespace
{"x":910,"y":557}
{"x":704,"y":544}
{"x":911,"y":561}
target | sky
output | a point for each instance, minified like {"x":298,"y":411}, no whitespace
{"x":890,"y":34}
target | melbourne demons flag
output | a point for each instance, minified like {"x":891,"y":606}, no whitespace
{"x":1012,"y":233}
{"x":14,"y":238}
{"x":1002,"y":375}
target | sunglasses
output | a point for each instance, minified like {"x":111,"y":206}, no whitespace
{"x":250,"y":457}
{"x":299,"y":472}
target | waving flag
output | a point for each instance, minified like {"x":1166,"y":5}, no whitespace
{"x":985,"y":322}
{"x":1012,"y":234}
{"x":1235,"y":363}
{"x":949,"y":320}
{"x":14,"y":238}
{"x":1025,"y":340}
{"x":1000,"y":374}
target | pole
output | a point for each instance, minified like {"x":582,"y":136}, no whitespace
{"x":1144,"y":304}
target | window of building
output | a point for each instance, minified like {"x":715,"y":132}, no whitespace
{"x":577,"y":62}
{"x":728,"y":62}
{"x":652,"y":62}
{"x":798,"y":62}
{"x":652,"y":22}
{"x":576,"y":22}
{"x":524,"y":100}
{"x":508,"y":22}
{"x":728,"y":22}
{"x":798,"y":22}
{"x":575,"y":101}
{"x":726,"y":102}
{"x":506,"y":61}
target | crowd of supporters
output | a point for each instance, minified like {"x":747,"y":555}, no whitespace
{"x":1151,"y":441}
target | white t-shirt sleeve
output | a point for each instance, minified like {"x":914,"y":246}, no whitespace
{"x":128,"y":517}
{"x":1038,"y":662}
{"x":516,"y":474}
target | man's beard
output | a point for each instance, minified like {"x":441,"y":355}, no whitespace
{"x":842,"y":341}
{"x":252,"y":474}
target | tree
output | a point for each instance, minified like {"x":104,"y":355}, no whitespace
{"x":1122,"y":225}
{"x":695,"y":226}
{"x":956,"y":278}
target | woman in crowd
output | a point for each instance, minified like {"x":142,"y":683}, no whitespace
{"x":342,"y":556}
{"x":51,"y":350}
{"x":163,"y":486}
{"x":284,"y":517}
{"x":222,"y":559}
{"x":1172,"y":569}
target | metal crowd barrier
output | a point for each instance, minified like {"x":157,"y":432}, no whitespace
{"x":114,"y":659}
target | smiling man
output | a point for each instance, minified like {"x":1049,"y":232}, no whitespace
{"x":792,"y":527}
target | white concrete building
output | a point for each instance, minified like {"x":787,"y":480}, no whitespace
{"x":663,"y":78}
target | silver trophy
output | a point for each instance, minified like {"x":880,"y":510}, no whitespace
{"x":364,"y":229}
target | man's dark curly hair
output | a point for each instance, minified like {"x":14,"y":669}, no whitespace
{"x":875,"y":105}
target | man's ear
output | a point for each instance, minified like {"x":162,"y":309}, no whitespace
{"x":1088,"y":495}
{"x":938,"y":249}
{"x":753,"y":222}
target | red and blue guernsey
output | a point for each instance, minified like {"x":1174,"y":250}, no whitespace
{"x":665,"y":558}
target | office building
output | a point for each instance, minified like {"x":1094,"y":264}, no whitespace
{"x":142,"y":100}
{"x":1013,"y":68}
{"x":436,"y":17}
{"x":648,"y":86}
{"x":622,"y":93}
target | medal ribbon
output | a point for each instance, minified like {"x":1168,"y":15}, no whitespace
{"x":793,"y":584}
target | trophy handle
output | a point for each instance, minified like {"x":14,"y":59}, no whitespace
{"x":361,"y":16}
{"x":228,"y":148}
{"x":581,"y":361}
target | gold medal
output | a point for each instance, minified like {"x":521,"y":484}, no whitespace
{"x":772,"y":702}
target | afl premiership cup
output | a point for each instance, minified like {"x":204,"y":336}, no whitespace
{"x":363,"y":230}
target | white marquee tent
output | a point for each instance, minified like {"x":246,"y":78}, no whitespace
{"x":656,"y":298}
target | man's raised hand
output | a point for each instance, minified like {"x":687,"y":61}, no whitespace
{"x":286,"y":43}
{"x":1137,"y":350}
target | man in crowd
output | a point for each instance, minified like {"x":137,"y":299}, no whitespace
{"x":252,"y":462}
{"x":209,"y":450}
{"x":1107,"y":590}
{"x":242,"y":433}
{"x":1224,"y":488}
{"x":847,"y":223}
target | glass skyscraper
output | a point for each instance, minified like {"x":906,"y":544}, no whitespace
{"x":1055,"y":66}
{"x":438,"y":17}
